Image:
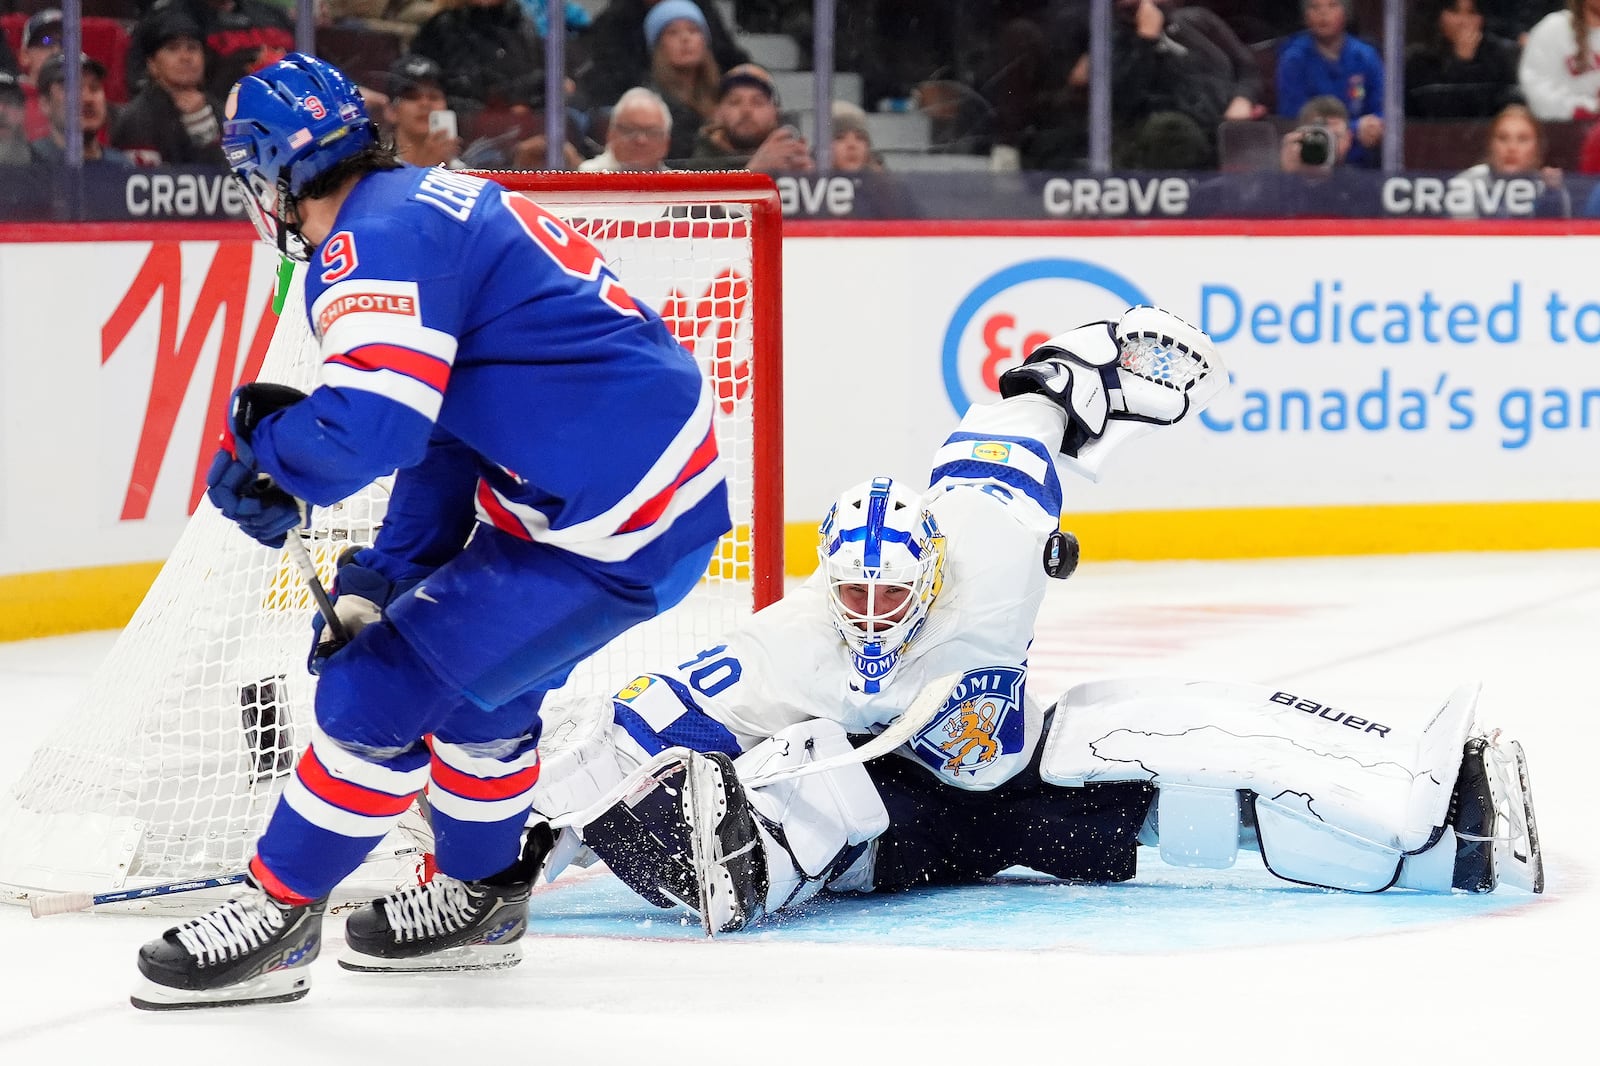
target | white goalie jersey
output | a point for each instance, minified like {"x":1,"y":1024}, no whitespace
{"x":996,"y":498}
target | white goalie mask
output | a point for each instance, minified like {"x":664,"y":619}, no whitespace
{"x":883,"y":558}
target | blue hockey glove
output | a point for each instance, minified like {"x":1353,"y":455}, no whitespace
{"x":360,"y":593}
{"x":238,"y":488}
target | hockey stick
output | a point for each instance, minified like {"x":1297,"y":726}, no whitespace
{"x":922,"y":711}
{"x":48,"y":903}
{"x":67,"y":902}
{"x":308,"y":570}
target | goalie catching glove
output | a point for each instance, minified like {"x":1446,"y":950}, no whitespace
{"x":236,"y":485}
{"x":1118,"y":380}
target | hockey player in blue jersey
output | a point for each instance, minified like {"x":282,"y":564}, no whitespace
{"x":558,"y":482}
{"x":917,"y":627}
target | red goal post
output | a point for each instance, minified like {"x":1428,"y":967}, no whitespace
{"x":170,"y":764}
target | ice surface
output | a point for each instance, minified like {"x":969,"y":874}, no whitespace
{"x":1180,"y":966}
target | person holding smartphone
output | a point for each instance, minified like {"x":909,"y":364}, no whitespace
{"x":419,"y":116}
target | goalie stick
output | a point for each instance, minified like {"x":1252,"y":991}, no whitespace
{"x":922,"y":711}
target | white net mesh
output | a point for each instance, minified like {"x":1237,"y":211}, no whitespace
{"x":169,"y":767}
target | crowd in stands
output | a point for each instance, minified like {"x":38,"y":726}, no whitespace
{"x":654,"y":84}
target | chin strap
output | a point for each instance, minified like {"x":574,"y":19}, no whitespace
{"x":290,"y":205}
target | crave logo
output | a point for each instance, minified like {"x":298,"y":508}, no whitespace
{"x":1015,"y":310}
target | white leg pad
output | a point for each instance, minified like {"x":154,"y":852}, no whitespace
{"x":1298,"y":846}
{"x":1432,"y":870}
{"x":1198,"y":827}
{"x":817,"y":817}
{"x":580,"y":760}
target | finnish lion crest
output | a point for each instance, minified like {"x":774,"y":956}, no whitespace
{"x":981,"y":721}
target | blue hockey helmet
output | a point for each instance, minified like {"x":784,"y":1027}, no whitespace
{"x":286,"y":124}
{"x":882,"y":556}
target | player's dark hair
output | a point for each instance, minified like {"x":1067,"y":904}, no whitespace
{"x":376,"y":156}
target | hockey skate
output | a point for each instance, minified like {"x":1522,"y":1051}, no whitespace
{"x":728,"y":860}
{"x":1492,"y":813}
{"x":448,"y":924}
{"x":252,"y":949}
{"x":444,"y":924}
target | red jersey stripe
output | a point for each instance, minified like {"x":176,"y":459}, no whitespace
{"x":434,"y":373}
{"x":346,"y":795}
{"x":483,"y":788}
{"x":499,"y":515}
{"x":275,"y":888}
{"x":655,"y":506}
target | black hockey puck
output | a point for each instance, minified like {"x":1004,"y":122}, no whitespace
{"x":1060,"y":555}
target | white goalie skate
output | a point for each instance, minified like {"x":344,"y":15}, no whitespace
{"x":1512,"y":835}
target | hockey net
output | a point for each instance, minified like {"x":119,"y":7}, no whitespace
{"x":170,"y":765}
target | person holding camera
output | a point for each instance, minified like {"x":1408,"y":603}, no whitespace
{"x":1318,"y":180}
{"x":1325,"y":60}
{"x":1320,"y":141}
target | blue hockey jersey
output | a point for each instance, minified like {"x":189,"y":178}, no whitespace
{"x":477,"y":343}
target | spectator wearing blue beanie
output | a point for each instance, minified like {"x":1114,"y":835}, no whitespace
{"x":667,"y":12}
{"x":620,"y":46}
{"x":682,"y":69}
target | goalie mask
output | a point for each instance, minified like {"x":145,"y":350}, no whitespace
{"x":286,"y":124}
{"x":883,"y":558}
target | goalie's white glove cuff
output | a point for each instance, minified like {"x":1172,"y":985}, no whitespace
{"x":1074,"y":370}
{"x":1095,"y":344}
